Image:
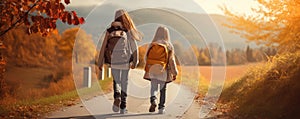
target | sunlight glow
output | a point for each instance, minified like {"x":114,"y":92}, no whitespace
{"x":210,"y":6}
{"x":238,"y":6}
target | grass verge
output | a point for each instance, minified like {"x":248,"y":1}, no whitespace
{"x":268,"y":90}
{"x":36,"y":108}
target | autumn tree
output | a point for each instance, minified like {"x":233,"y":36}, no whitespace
{"x":249,"y":54}
{"x":37,"y":16}
{"x":33,"y":50}
{"x":84,"y":46}
{"x":83,"y":51}
{"x":274,"y":22}
{"x":179,"y":51}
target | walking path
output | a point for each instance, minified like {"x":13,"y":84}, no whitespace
{"x":179,"y":100}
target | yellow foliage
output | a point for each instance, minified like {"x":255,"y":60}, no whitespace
{"x":271,"y":88}
{"x":275,"y":23}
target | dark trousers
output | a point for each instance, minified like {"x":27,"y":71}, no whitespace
{"x":120,"y":83}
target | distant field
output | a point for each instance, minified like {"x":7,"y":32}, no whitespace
{"x":232,"y":72}
{"x":198,"y":77}
{"x":32,"y":77}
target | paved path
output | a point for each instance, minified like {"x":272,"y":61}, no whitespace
{"x":179,"y":100}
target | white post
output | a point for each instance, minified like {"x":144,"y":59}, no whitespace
{"x":102,"y":73}
{"x":105,"y":73}
{"x":87,"y":77}
{"x":109,"y":72}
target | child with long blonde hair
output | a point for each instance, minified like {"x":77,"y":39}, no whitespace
{"x":120,"y":51}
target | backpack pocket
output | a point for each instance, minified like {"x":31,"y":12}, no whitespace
{"x":120,"y":57}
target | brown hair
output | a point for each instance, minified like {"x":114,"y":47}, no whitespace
{"x":123,"y":17}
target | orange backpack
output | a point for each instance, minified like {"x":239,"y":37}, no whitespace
{"x":157,"y":55}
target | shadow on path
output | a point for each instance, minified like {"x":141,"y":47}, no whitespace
{"x":105,"y":116}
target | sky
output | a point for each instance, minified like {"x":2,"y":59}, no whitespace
{"x":209,"y":6}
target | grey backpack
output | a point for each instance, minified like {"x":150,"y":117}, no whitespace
{"x":117,"y":49}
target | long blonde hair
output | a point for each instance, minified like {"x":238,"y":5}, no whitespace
{"x":123,"y":17}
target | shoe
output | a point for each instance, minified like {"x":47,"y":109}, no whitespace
{"x":123,"y":111}
{"x":161,"y":111}
{"x":152,"y":106}
{"x":116,"y":105}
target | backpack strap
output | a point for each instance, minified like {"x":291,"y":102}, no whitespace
{"x":130,"y":49}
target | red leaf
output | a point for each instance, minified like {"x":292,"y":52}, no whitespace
{"x":64,"y":17}
{"x":34,"y":29}
{"x":76,"y":20}
{"x":74,"y":13}
{"x":69,"y":19}
{"x":33,"y":19}
{"x":54,"y":25}
{"x":64,"y":20}
{"x":26,"y":22}
{"x":53,"y":20}
{"x":25,"y":19}
{"x":48,"y":5}
{"x":49,"y":12}
{"x":61,"y":6}
{"x":81,"y":20}
{"x":44,"y":34}
{"x":42,"y":27}
{"x":67,"y":2}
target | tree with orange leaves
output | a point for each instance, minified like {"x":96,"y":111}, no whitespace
{"x":39,"y":16}
{"x":275,"y":23}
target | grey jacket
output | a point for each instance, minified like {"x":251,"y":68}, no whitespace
{"x":171,"y":69}
{"x":133,"y":47}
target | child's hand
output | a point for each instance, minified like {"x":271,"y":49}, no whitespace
{"x":131,"y":65}
{"x":174,"y":77}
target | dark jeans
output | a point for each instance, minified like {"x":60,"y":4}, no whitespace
{"x":154,"y":91}
{"x":120,"y":83}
